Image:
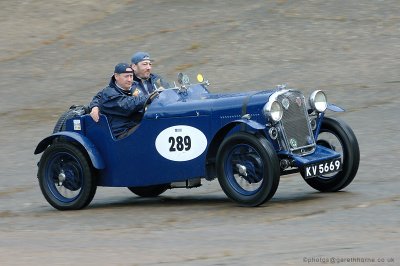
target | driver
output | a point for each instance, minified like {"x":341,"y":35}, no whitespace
{"x":119,"y":102}
{"x":144,"y":81}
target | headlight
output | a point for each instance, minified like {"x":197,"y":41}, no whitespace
{"x":318,"y":101}
{"x":273,"y":110}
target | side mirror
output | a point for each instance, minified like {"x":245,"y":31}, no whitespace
{"x":183,"y":79}
{"x":180,"y":76}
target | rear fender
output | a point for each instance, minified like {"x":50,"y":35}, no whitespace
{"x":93,"y":153}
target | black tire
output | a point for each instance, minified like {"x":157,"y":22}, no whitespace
{"x":60,"y":125}
{"x":149,"y":191}
{"x":248,"y":169}
{"x":66,"y":177}
{"x":337,"y":135}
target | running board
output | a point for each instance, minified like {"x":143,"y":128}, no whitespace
{"x":190,"y":183}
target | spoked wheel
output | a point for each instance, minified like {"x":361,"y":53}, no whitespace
{"x":65,"y":177}
{"x":338,"y":136}
{"x":149,"y":191}
{"x":248,"y":169}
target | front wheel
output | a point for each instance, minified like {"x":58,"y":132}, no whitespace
{"x":248,"y":169}
{"x":335,"y":134}
{"x":66,"y":177}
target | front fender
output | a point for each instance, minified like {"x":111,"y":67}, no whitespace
{"x":94,"y":154}
{"x":251,"y":123}
{"x":219,"y":137}
{"x":334,"y":108}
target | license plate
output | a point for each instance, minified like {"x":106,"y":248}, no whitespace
{"x":322,"y":168}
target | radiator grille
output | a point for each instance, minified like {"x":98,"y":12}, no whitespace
{"x":297,"y":134}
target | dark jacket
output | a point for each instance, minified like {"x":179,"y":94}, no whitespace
{"x":154,"y":80}
{"x":121,"y":108}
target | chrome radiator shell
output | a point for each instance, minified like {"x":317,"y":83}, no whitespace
{"x":295,"y":131}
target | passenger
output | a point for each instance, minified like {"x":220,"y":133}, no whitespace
{"x":144,"y":81}
{"x":118,"y":102}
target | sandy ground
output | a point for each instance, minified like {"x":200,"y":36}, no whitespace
{"x":57,"y":53}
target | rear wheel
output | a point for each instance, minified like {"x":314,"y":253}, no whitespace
{"x":335,"y":134}
{"x":66,"y":177}
{"x":74,"y":111}
{"x":248,"y":169}
{"x":149,"y":191}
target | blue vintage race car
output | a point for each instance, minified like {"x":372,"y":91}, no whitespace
{"x":246,"y":140}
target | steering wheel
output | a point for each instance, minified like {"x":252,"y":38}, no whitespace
{"x":150,"y":99}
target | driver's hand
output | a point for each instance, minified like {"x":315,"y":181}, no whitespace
{"x":136,"y":93}
{"x":95,"y":114}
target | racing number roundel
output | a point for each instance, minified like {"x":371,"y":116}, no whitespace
{"x":181,"y":143}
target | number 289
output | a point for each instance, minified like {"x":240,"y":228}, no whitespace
{"x":180,"y":143}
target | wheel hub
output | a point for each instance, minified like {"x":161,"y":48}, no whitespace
{"x":241,"y":169}
{"x":61,"y":177}
{"x":247,"y":170}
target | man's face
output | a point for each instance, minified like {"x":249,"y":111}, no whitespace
{"x":142,"y":69}
{"x":124,"y":80}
